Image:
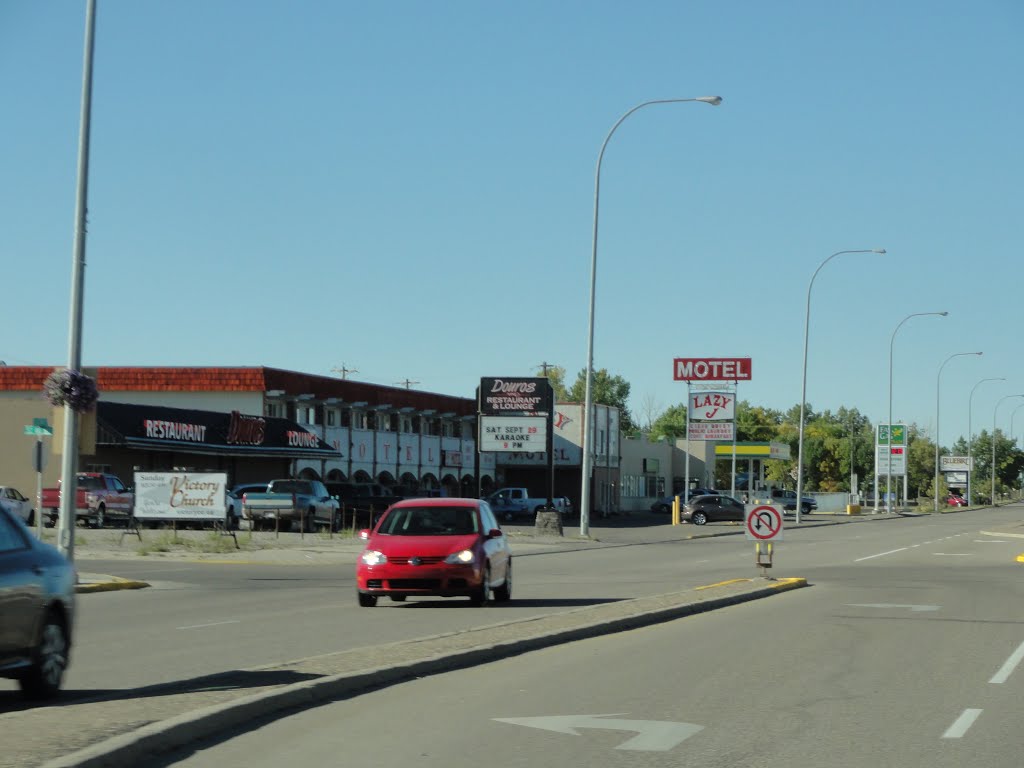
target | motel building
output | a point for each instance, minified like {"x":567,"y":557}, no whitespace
{"x":257,"y":424}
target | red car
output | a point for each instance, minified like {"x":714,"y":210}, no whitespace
{"x":956,"y":500}
{"x":438,"y":547}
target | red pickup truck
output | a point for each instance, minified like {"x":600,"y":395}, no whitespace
{"x":100,"y":497}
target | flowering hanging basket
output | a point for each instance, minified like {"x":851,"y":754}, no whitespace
{"x":71,"y":388}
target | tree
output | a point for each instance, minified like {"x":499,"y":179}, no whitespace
{"x":606,"y":390}
{"x":555,"y":374}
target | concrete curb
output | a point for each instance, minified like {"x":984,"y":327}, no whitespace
{"x":140,"y":746}
{"x":112,"y":584}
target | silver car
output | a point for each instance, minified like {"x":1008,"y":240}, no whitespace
{"x":37,"y":608}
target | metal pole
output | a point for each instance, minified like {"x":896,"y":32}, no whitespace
{"x":803,"y":386}
{"x":888,"y":455}
{"x":588,"y":392}
{"x":686,"y":460}
{"x":735,"y":395}
{"x":938,"y":378}
{"x":970,"y":436}
{"x":992,"y":499}
{"x":69,"y":457}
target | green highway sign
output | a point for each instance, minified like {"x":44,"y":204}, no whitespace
{"x":39,"y":431}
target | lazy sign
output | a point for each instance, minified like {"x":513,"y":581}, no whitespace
{"x":764,"y":523}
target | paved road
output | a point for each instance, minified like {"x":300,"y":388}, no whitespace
{"x":176,"y":631}
{"x":904,"y":653}
{"x":201,"y":619}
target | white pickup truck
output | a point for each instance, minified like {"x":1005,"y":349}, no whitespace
{"x":509,"y":503}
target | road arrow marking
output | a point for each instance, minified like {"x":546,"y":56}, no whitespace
{"x":652,"y":735}
{"x":912,"y":608}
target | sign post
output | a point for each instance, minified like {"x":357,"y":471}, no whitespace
{"x":39,"y":429}
{"x":763,"y":526}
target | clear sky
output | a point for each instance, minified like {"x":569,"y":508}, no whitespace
{"x":407,"y":188}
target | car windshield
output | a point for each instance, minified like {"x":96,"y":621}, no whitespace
{"x":429,"y":521}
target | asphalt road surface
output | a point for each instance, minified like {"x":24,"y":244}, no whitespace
{"x":907,"y":651}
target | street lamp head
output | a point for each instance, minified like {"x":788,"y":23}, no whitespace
{"x":943,"y":314}
{"x":878,"y":250}
{"x":714,"y":101}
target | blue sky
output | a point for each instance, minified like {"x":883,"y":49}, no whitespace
{"x":406,"y":188}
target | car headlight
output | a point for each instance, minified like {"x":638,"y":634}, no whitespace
{"x":373,"y":557}
{"x":465,"y":557}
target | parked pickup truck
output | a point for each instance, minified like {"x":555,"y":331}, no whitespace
{"x":100,"y":497}
{"x":509,"y":503}
{"x":296,"y":503}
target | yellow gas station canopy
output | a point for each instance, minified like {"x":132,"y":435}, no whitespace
{"x":754,"y":450}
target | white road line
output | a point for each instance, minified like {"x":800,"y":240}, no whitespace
{"x":1011,"y":664}
{"x":952,"y":554}
{"x":211,"y":624}
{"x":989,"y":541}
{"x":880,"y":554}
{"x":965,"y":721}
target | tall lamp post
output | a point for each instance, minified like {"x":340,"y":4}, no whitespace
{"x":970,"y":435}
{"x":888,"y":455}
{"x":1005,"y":397}
{"x":69,"y":454}
{"x":938,"y":379}
{"x":803,"y":386}
{"x":1012,"y":417}
{"x":588,"y":401}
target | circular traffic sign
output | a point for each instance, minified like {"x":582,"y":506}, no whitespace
{"x":764,"y":523}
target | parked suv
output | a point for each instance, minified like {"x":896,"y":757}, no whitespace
{"x":788,"y":500}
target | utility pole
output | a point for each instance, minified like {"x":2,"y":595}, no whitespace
{"x":407,"y":383}
{"x":344,"y":371}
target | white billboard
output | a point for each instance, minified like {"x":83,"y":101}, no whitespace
{"x":711,"y":430}
{"x":513,"y":433}
{"x":897,"y":463}
{"x":712,"y":406}
{"x":181,"y":495}
{"x":956,"y":463}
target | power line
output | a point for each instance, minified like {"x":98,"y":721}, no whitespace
{"x":407,"y":383}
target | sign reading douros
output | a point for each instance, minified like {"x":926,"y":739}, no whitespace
{"x":711,"y":369}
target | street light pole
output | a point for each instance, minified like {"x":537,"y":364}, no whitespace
{"x":1005,"y":397}
{"x":888,"y":455}
{"x":1012,"y":417}
{"x":69,"y":455}
{"x":970,"y":436}
{"x":588,"y":399}
{"x":938,"y":378}
{"x":803,"y":386}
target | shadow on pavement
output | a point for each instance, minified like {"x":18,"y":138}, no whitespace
{"x":237,"y":680}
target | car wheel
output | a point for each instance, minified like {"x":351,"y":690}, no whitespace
{"x":806,"y":508}
{"x":503,"y":593}
{"x":663,"y":508}
{"x":699,"y":518}
{"x":99,"y":520}
{"x":479,"y":597}
{"x":367,"y":601}
{"x":397,"y":598}
{"x":50,"y":659}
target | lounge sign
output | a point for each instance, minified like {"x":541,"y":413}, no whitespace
{"x":515,"y":396}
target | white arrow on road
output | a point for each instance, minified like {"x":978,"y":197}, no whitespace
{"x":652,"y":735}
{"x":913,"y":608}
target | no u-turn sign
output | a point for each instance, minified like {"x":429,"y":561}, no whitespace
{"x":764,"y":523}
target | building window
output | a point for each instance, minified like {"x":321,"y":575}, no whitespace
{"x":643,"y":486}
{"x":274,"y":410}
{"x":331,"y":418}
{"x":407,"y":424}
{"x":359,"y":420}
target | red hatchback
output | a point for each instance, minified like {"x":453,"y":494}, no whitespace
{"x":437,"y":547}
